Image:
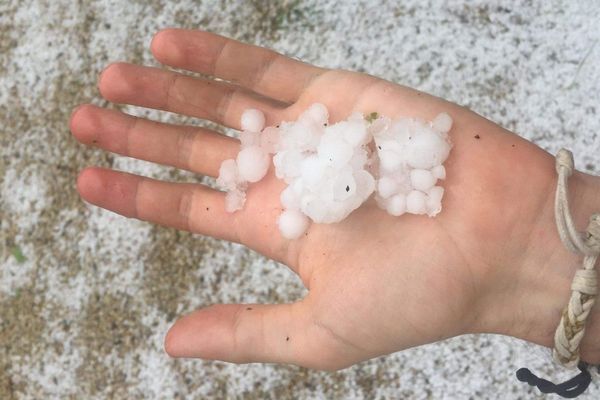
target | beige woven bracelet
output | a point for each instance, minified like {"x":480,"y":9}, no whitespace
{"x":584,"y":289}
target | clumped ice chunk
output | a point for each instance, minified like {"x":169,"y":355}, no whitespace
{"x":344,"y":186}
{"x":331,"y":169}
{"x":288,"y":164}
{"x":251,"y":164}
{"x":228,"y":175}
{"x":334,"y":151}
{"x":234,"y":200}
{"x":325,"y":164}
{"x":411,"y":153}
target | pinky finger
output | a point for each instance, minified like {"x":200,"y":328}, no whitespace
{"x":191,"y":207}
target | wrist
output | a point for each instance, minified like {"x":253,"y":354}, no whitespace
{"x":529,"y":295}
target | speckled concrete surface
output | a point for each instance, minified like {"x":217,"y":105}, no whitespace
{"x":84,"y":308}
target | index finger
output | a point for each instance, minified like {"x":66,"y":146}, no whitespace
{"x":256,"y":68}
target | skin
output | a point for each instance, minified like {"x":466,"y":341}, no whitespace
{"x":491,"y":261}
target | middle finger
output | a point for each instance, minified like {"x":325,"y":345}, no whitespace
{"x":155,"y":88}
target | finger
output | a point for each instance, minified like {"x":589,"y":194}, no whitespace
{"x":190,"y":207}
{"x":258,"y":69}
{"x":239,"y":333}
{"x":220,"y":102}
{"x":195,"y":149}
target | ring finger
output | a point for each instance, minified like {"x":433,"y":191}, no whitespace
{"x":191,"y":207}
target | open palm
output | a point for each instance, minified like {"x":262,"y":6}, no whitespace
{"x":377,"y":283}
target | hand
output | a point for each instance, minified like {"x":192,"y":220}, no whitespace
{"x":377,"y":284}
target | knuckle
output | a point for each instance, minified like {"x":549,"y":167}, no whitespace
{"x":184,"y":208}
{"x":185,"y":145}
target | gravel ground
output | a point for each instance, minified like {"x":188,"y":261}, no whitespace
{"x":86,"y":296}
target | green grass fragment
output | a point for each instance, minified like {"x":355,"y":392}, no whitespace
{"x":372,"y":116}
{"x":18,"y":254}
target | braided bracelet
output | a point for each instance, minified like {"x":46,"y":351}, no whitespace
{"x":584,"y":289}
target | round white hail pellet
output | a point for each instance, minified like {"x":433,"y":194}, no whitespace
{"x":292,"y":224}
{"x":316,"y":113}
{"x":422,"y":179}
{"x":442,"y":123}
{"x":415,"y":202}
{"x":439,"y":172}
{"x":396,"y":205}
{"x":289,"y":199}
{"x":252,"y":163}
{"x":426,"y":150}
{"x":234,"y":200}
{"x":434,"y":200}
{"x":386,"y":187}
{"x":252,"y":120}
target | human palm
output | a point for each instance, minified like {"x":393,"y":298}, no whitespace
{"x":377,"y":283}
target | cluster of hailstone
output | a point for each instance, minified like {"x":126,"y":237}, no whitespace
{"x":331,"y":170}
{"x":252,"y":162}
{"x":411,"y":153}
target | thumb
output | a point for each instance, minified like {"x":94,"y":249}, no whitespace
{"x":244,"y":333}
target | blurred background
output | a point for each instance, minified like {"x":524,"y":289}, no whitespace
{"x":86,"y":296}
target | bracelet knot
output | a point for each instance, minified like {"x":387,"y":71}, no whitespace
{"x":592,"y":235}
{"x":585,"y":282}
{"x":564,"y":158}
